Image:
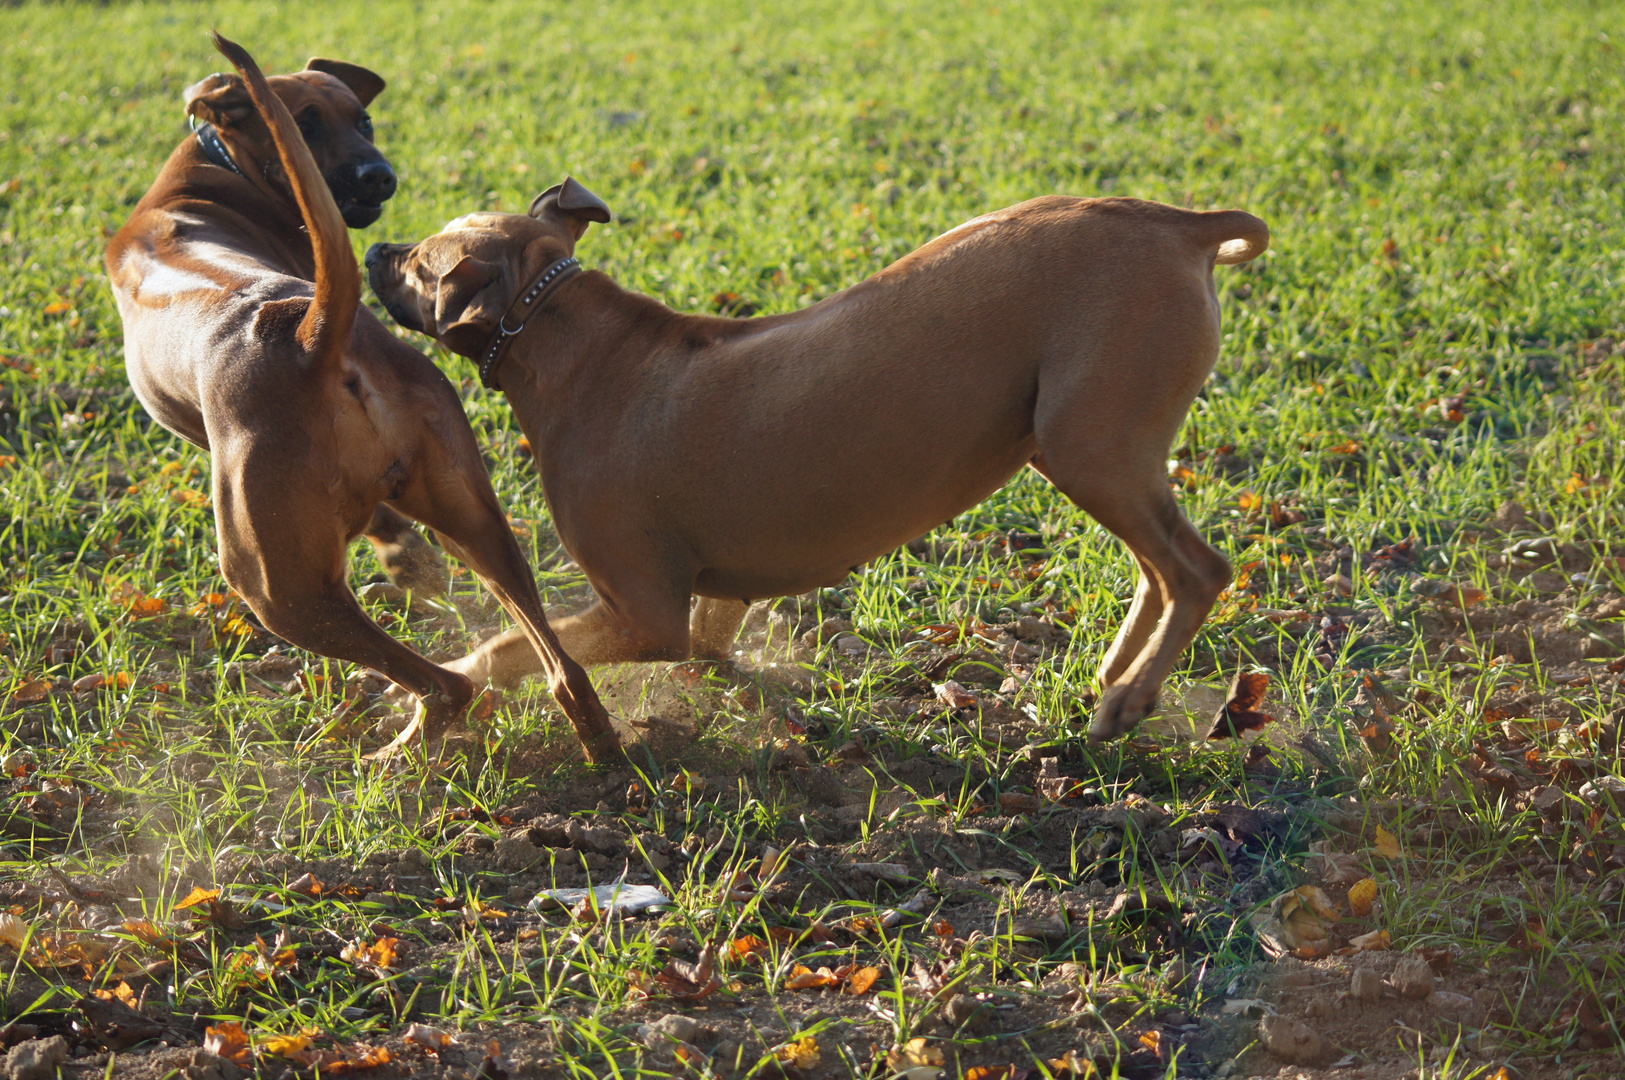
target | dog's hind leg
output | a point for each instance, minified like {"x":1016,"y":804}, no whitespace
{"x":471,"y":526}
{"x":1188,"y":576}
{"x":410,"y":561}
{"x":293,"y":578}
{"x":1143,"y":615}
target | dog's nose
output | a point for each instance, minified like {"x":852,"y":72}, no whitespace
{"x":376,"y":254}
{"x":377,"y":181}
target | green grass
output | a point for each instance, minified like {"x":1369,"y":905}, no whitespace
{"x":1442,"y":185}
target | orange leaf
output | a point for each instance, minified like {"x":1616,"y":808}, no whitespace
{"x":147,"y":932}
{"x":121,"y":992}
{"x":804,"y":978}
{"x":198,"y":895}
{"x":58,"y":307}
{"x":1152,"y":1041}
{"x":1349,"y":446}
{"x":749,"y":947}
{"x":227,"y":1040}
{"x":31,"y":692}
{"x":361,"y":1057}
{"x":1376,"y":940}
{"x":306,"y":885}
{"x":1388,"y":844}
{"x":1362,"y":895}
{"x":943,"y":929}
{"x":861,"y":981}
{"x":1240,"y":713}
{"x":1250,"y":500}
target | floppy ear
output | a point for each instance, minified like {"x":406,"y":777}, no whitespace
{"x":469,"y":302}
{"x":221,"y":100}
{"x":569,"y":200}
{"x":364,"y":84}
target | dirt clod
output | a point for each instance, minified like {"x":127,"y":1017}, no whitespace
{"x":1366,"y":985}
{"x":36,"y":1059}
{"x":669,"y":1029}
{"x":1452,"y":1007}
{"x":1291,"y":1041}
{"x":1413,"y":978}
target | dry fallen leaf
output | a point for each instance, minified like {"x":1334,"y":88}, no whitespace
{"x":690,"y":982}
{"x":380,"y":953}
{"x":801,"y":1054}
{"x":1362,"y":896}
{"x":804,"y":978}
{"x":861,"y":981}
{"x":31,"y":692}
{"x":1240,"y":713}
{"x":121,"y":992}
{"x":430,"y":1038}
{"x":1073,"y":1066}
{"x":1375,"y":940}
{"x":306,"y":885}
{"x":953,"y":695}
{"x":1388,"y":844}
{"x":288,"y":1045}
{"x":1318,"y":901}
{"x":198,"y":895}
{"x":229,"y":1041}
{"x":914,"y":1054}
{"x":355,"y":1059}
{"x":148,"y":933}
{"x":749,"y":947}
{"x":13,"y":931}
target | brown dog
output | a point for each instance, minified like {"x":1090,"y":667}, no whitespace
{"x":314,"y":414}
{"x":746,"y":458}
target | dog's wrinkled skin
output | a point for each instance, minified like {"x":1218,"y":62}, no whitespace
{"x":748,"y":458}
{"x":245,"y":335}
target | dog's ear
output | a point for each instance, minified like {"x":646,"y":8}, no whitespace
{"x":364,"y":84}
{"x":571,"y":202}
{"x":469,"y":302}
{"x":221,"y":100}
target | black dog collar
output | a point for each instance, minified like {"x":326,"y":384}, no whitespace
{"x":522,"y":309}
{"x":215,"y":150}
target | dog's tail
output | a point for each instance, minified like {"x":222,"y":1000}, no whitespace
{"x":1238,"y":235}
{"x":325,"y":330}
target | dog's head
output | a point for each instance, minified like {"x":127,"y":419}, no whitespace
{"x":329,"y":102}
{"x":456,"y":285}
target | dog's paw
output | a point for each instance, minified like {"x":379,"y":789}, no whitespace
{"x":415,"y":565}
{"x":1119,"y":712}
{"x":397,"y":696}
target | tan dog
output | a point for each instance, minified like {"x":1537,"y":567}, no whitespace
{"x":314,"y":414}
{"x":746,"y":458}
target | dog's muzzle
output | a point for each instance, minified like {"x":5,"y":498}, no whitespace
{"x":362,"y":194}
{"x":383,"y":276}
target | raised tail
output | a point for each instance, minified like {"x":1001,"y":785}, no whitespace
{"x":1238,"y":235}
{"x":324,"y":332}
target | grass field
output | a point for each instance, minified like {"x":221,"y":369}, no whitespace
{"x":1431,"y":350}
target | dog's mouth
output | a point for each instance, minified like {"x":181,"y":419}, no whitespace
{"x":384,"y":278}
{"x":358,"y":215}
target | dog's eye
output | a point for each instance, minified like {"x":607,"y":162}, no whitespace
{"x":364,"y":125}
{"x":309,"y":124}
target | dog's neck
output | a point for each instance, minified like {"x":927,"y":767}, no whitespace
{"x":207,"y":188}
{"x":592,"y":319}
